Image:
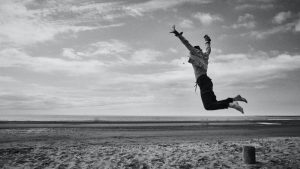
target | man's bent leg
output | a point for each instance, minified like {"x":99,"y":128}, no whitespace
{"x":208,"y":96}
{"x":210,"y":103}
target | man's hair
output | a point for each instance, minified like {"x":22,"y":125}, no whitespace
{"x":197,"y":47}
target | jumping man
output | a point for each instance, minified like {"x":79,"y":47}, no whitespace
{"x":199,"y":61}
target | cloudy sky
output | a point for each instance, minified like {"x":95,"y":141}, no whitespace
{"x":82,"y":57}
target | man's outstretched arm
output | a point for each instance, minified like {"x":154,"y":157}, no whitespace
{"x":207,"y":45}
{"x":182,"y":39}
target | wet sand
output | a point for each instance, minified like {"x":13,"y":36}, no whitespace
{"x":148,"y":145}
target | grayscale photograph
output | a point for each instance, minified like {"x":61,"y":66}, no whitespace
{"x":149,"y":84}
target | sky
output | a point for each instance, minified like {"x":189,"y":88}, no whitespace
{"x":117,"y":57}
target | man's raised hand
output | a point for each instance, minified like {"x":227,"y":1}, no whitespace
{"x":207,"y":39}
{"x":175,"y":31}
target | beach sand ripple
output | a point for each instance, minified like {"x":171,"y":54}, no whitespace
{"x":281,"y":152}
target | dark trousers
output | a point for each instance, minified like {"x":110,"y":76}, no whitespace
{"x":208,"y":96}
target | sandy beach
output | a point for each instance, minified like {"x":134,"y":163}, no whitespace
{"x":137,"y":145}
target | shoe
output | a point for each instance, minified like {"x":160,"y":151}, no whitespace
{"x":240,"y":98}
{"x":235,"y":105}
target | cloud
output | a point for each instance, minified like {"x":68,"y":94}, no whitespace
{"x":143,"y":61}
{"x":114,"y":53}
{"x":278,"y":29}
{"x":144,"y":56}
{"x":162,"y":86}
{"x":186,"y":23}
{"x":254,"y":6}
{"x":281,"y":17}
{"x":153,"y":5}
{"x":297,"y":26}
{"x":252,"y":68}
{"x":7,"y":79}
{"x":173,"y":50}
{"x":15,"y":58}
{"x":89,"y":11}
{"x":47,"y":101}
{"x":297,"y":23}
{"x":111,"y":47}
{"x":108,"y":52}
{"x":227,"y":69}
{"x":14,"y":101}
{"x":30,"y":22}
{"x":90,"y":94}
{"x":246,"y":21}
{"x":23,"y":26}
{"x":207,"y":18}
{"x":293,"y":26}
{"x":83,"y":12}
{"x":71,"y":54}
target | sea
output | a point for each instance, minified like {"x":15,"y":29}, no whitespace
{"x":142,"y":118}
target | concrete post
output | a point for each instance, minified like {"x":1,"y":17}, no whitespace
{"x":249,"y":155}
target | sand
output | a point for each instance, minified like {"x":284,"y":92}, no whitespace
{"x":215,"y":147}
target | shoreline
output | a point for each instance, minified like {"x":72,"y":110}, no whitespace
{"x":169,"y":125}
{"x":138,"y":134}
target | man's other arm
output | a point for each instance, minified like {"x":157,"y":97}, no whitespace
{"x":207,"y":46}
{"x":182,"y":39}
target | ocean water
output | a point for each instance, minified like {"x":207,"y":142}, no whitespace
{"x":141,"y":118}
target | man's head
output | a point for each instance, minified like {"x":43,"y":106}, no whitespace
{"x":197,"y":47}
